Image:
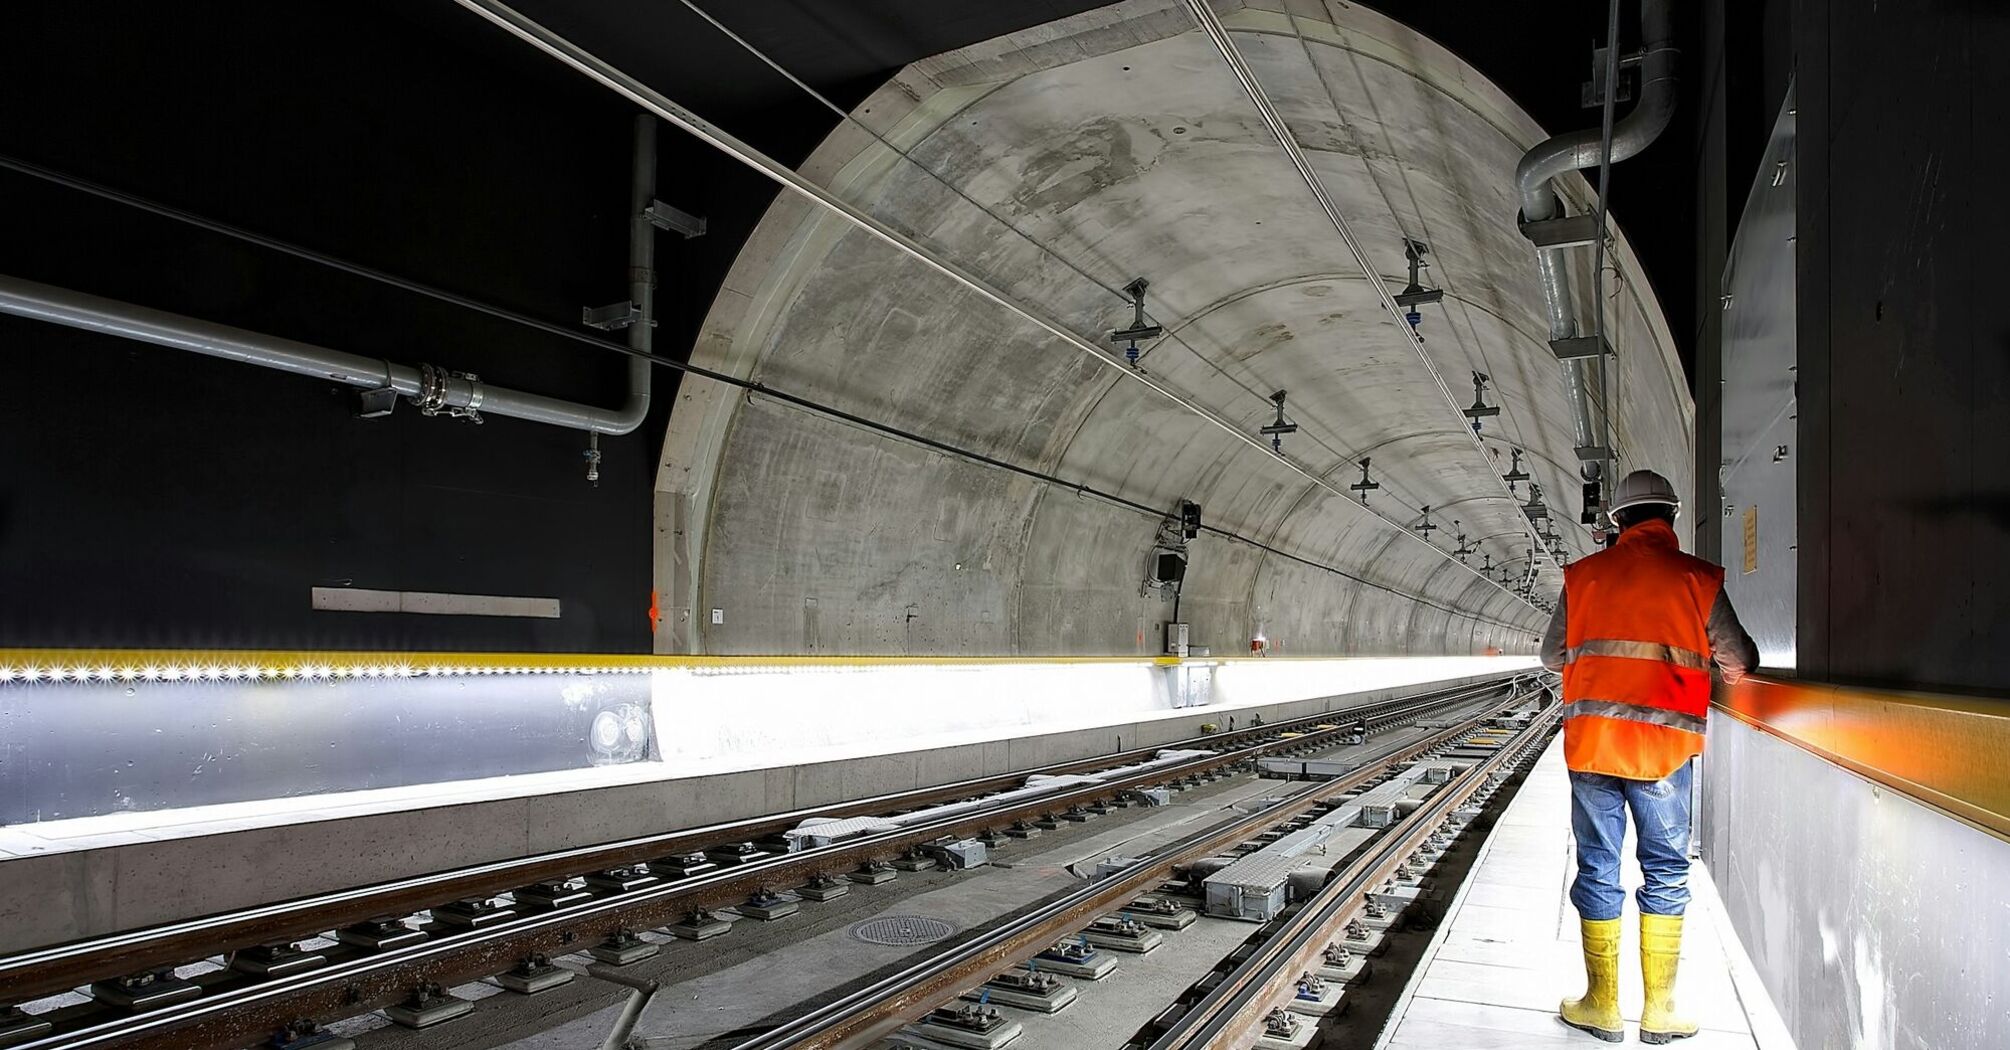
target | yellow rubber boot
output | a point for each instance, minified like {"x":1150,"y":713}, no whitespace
{"x":1660,"y":951}
{"x":1598,"y":1011}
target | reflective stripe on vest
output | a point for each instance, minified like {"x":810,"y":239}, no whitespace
{"x":1659,"y":716}
{"x":1667,"y":654}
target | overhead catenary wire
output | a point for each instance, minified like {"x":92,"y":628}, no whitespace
{"x":593,"y":67}
{"x":502,"y":313}
{"x":1598,"y":251}
{"x":1478,"y":349}
{"x":753,"y":387}
{"x":1172,"y":332}
{"x":1218,"y":33}
{"x":354,"y":269}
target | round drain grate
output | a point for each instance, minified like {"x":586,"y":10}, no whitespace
{"x":902,"y":930}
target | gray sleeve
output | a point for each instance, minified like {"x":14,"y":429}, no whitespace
{"x":1733,"y":650}
{"x":1553,"y":639}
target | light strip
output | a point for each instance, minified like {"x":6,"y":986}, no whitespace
{"x":58,"y":666}
{"x":87,"y":666}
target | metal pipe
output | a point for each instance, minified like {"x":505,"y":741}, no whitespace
{"x":440,"y":388}
{"x":641,"y":272}
{"x":452,"y":390}
{"x":641,"y":990}
{"x":600,"y":71}
{"x":1540,"y":200}
{"x":1604,"y":420}
{"x":1578,"y":150}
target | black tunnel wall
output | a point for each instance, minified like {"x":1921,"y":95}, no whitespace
{"x":1904,"y":334}
{"x":151,"y":497}
{"x":154,"y":497}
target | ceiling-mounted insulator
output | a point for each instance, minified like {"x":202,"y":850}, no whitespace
{"x":1535,"y":508}
{"x":1416,"y":294}
{"x":1487,"y":564}
{"x":1425,"y":528}
{"x":1139,"y":328}
{"x":1365,"y":485}
{"x":1278,"y":428}
{"x":1515,"y":474}
{"x":1464,"y":548}
{"x":1480,"y":409}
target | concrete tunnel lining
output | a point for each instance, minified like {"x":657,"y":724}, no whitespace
{"x":1118,"y":139}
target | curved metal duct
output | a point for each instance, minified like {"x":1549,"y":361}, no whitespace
{"x":1540,"y":201}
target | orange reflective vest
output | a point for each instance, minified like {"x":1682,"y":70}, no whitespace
{"x":1636,"y":677}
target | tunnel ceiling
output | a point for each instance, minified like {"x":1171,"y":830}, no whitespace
{"x":1058,"y":164}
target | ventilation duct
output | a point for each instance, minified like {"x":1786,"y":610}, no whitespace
{"x":1544,"y":222}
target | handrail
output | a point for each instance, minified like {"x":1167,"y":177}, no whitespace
{"x":1948,"y":752}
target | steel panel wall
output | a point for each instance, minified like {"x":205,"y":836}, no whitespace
{"x":1759,"y":523}
{"x":1874,"y":921}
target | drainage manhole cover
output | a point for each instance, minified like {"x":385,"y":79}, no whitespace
{"x":902,"y":930}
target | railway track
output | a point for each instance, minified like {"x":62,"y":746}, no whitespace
{"x":1233,"y":1010}
{"x":238,"y":1005}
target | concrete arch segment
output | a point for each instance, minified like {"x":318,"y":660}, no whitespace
{"x":1118,"y":141}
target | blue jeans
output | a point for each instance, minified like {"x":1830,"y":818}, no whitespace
{"x":1598,"y":805}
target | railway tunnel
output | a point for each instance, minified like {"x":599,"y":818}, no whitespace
{"x":946,"y":524}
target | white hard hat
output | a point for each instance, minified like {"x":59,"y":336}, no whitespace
{"x":1643,"y":487}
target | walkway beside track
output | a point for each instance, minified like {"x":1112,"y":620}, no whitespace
{"x":1508,"y":948}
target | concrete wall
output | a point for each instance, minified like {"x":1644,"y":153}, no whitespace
{"x":714,"y":720}
{"x":59,"y":897}
{"x":1875,"y":922}
{"x":1119,"y":140}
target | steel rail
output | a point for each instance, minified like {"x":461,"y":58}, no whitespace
{"x":354,"y":984}
{"x":236,"y":1007}
{"x":42,"y":971}
{"x":872,"y":1012}
{"x":1234,"y":1008}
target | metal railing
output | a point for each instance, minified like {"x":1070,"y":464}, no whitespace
{"x":1948,"y":752}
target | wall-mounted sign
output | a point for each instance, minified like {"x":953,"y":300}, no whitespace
{"x":1751,"y":539}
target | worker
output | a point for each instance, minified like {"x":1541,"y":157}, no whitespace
{"x":1635,"y":633}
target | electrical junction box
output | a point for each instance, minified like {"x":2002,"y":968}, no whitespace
{"x":1176,"y":644}
{"x":960,"y":854}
